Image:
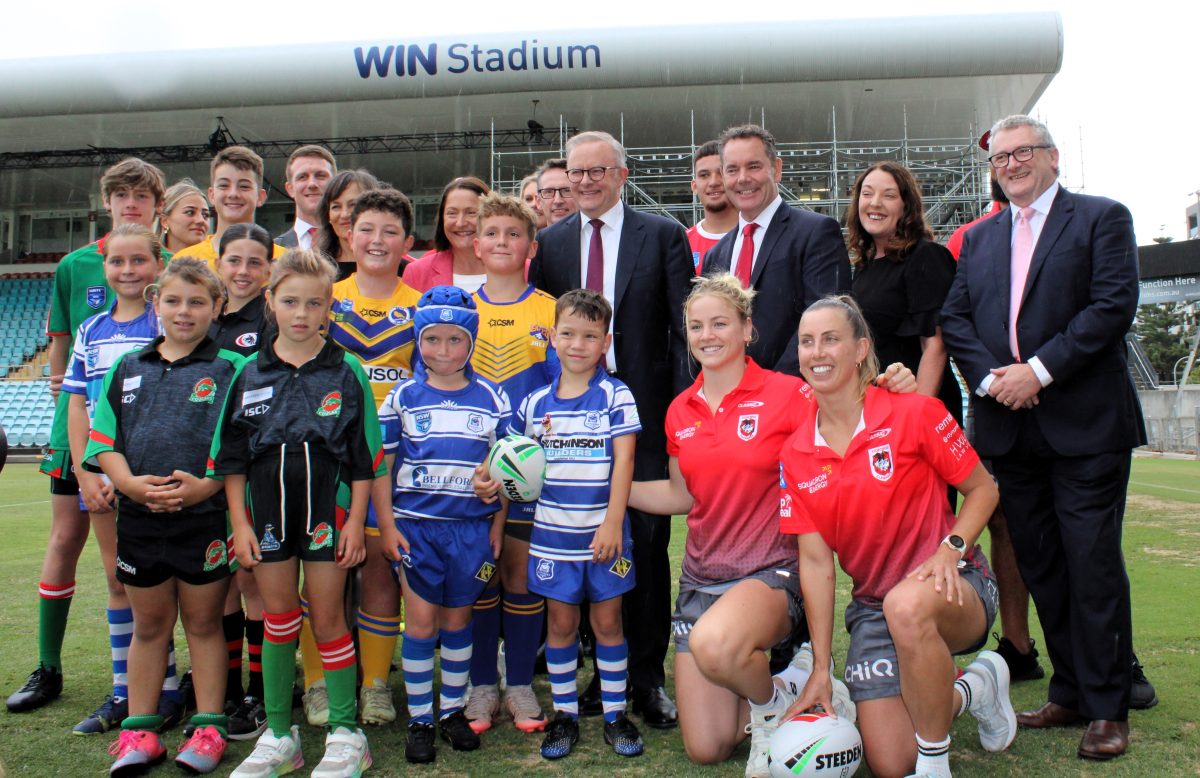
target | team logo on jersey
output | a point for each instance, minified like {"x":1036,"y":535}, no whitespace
{"x":424,"y":421}
{"x":592,"y":420}
{"x":620,"y":567}
{"x":399,"y":315}
{"x":748,"y":426}
{"x":545,"y":569}
{"x":215,"y":555}
{"x":475,"y":423}
{"x":269,"y":542}
{"x":344,"y":306}
{"x":485,"y":572}
{"x":92,"y":357}
{"x":540,"y":334}
{"x":96,"y":296}
{"x":205,"y":391}
{"x":247,"y":339}
{"x":322,"y":537}
{"x":881,"y":461}
{"x":331,"y":405}
{"x":546,"y":424}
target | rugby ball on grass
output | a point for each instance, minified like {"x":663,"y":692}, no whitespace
{"x":815,"y":744}
{"x":518,"y":464}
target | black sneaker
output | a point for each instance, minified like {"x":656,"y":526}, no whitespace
{"x":561,"y":736}
{"x":456,"y":731}
{"x":187,"y":692}
{"x":171,"y":711}
{"x":110,"y":714}
{"x":42,"y":686}
{"x":623,"y":736}
{"x":1141,"y":692}
{"x":421,"y":748}
{"x":1021,"y":667}
{"x":248,"y":720}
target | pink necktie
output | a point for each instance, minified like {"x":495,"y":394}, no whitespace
{"x":595,"y":268}
{"x":1022,"y":255}
{"x":746,"y":256}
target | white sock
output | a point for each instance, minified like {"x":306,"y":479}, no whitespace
{"x":972,"y":689}
{"x":776,"y":703}
{"x":793,"y":679}
{"x":933,"y":758}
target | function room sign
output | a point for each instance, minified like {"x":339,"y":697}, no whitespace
{"x":1172,"y":289}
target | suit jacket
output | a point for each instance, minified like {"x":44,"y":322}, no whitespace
{"x":288,"y":239}
{"x":654,"y":272}
{"x":802,"y":258}
{"x":1079,"y":301}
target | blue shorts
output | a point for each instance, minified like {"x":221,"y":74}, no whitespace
{"x":574,"y":582}
{"x":371,"y":525}
{"x":448,"y":562}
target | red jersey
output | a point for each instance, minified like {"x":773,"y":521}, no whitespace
{"x":954,"y":245}
{"x":730,"y":461}
{"x":882,"y":506}
{"x":700,"y":240}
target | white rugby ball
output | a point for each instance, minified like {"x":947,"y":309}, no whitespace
{"x":815,"y":744}
{"x":518,"y":464}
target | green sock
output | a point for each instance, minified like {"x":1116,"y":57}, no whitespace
{"x":279,"y":673}
{"x":52,"y":622}
{"x":341,"y":676}
{"x":218,"y":720}
{"x":150,"y":722}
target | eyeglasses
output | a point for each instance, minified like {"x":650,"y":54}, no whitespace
{"x":1020,"y":154}
{"x":575,"y":174}
{"x":563,"y":191}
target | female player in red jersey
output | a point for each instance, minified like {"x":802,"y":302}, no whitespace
{"x":739,"y":591}
{"x":864,"y":476}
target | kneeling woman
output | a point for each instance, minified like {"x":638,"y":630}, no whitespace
{"x":865,"y":477}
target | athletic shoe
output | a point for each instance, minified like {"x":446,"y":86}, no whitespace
{"x":202,"y":752}
{"x":110,"y":714}
{"x":171,"y":711}
{"x":561,"y":736}
{"x":272,"y":756}
{"x":992,"y":708}
{"x":482,"y":707}
{"x":42,"y":686}
{"x":248,"y":720}
{"x":420,"y":747}
{"x":797,"y":673}
{"x":456,"y":731}
{"x":623,"y":736}
{"x":346,"y":755}
{"x":136,"y":750}
{"x":1141,"y":691}
{"x":375,"y":704}
{"x":316,"y":704}
{"x":1021,"y":667}
{"x":763,"y":724}
{"x":522,"y":704}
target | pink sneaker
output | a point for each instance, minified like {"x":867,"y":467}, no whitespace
{"x":136,"y":750}
{"x":202,"y":752}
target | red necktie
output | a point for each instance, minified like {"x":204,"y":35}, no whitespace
{"x":746,"y":255}
{"x":595,"y":268}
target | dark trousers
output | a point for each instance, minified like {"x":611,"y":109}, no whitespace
{"x":1065,"y":516}
{"x":646,"y":610}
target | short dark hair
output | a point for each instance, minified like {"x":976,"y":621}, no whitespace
{"x":133,"y":173}
{"x":242,"y":158}
{"x":709,"y":149}
{"x":471,"y":183}
{"x":386,"y":200}
{"x":551,"y":164}
{"x":326,"y":238}
{"x":743,"y":131}
{"x":247,"y":231}
{"x":309,"y":150}
{"x":911,"y":226}
{"x":588,"y":303}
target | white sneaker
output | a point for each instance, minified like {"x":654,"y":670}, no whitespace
{"x":346,"y":755}
{"x":763,"y":724}
{"x":316,"y":704}
{"x":992,"y":708}
{"x":797,"y":674}
{"x":375,"y":704}
{"x":522,"y":704}
{"x":482,"y":706}
{"x":272,"y":756}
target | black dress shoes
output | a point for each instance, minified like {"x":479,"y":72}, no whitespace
{"x":656,"y":708}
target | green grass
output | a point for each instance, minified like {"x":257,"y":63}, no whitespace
{"x":1162,"y":541}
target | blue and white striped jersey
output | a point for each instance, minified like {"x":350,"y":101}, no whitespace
{"x":438,"y":438}
{"x":99,"y":343}
{"x":577,"y":435}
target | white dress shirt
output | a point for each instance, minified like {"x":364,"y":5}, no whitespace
{"x":763,"y":220}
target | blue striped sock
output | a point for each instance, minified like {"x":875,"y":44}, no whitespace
{"x":456,"y":664}
{"x":485,"y":638}
{"x":523,"y":615}
{"x":613,"y":664}
{"x":416,"y":658}
{"x":561,"y":663}
{"x":120,"y":633}
{"x":170,"y":687}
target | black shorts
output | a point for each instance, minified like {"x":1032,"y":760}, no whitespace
{"x":58,"y":465}
{"x":519,"y":525}
{"x":297,"y":504}
{"x":155,"y":547}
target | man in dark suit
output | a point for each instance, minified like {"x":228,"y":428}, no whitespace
{"x":308,"y":171}
{"x":1035,"y":320}
{"x":792,"y":258}
{"x":642,"y":265}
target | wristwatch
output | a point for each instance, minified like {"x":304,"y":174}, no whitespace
{"x":956,"y":543}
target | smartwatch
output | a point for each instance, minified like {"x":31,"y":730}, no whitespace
{"x":956,"y":543}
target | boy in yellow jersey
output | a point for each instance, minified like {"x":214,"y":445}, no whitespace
{"x":236,"y":192}
{"x":372,"y":317}
{"x":511,"y":350}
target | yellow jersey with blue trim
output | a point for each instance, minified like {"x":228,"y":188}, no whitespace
{"x":378,"y":331}
{"x":206,"y":250}
{"x":512,"y":349}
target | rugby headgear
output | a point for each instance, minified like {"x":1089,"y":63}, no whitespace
{"x":446,"y":305}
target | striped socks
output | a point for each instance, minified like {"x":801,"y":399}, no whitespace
{"x":377,"y":636}
{"x":234,"y":627}
{"x":612,"y":662}
{"x":456,"y":664}
{"x":561,"y":664}
{"x":54,"y":604}
{"x":280,"y":632}
{"x":120,"y":634}
{"x":417,"y":661}
{"x":341,"y":673}
{"x":933,"y":759}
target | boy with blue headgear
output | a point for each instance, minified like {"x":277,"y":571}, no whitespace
{"x":437,"y":426}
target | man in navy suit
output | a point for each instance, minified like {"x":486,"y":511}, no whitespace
{"x":792,"y":258}
{"x":642,"y":264}
{"x":308,"y":171}
{"x":1044,"y":294}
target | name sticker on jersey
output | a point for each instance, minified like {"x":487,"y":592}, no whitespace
{"x":620,"y":567}
{"x":748,"y":426}
{"x":131,"y":383}
{"x":257,"y":395}
{"x":881,"y":461}
{"x":485,"y":572}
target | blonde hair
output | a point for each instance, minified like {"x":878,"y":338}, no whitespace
{"x":190,"y":271}
{"x":176,"y":193}
{"x":494,"y":204}
{"x":724,"y":286}
{"x":868,"y":369}
{"x":135,"y":231}
{"x":302,"y":262}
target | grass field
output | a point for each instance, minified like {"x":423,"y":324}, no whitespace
{"x":1162,"y":542}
